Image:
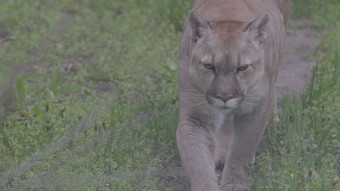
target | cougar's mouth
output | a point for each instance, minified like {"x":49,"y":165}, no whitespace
{"x":225,"y":107}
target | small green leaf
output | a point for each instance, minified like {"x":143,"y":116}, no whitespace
{"x":114,"y":166}
{"x":20,"y":90}
{"x":171,"y":64}
{"x":86,"y":91}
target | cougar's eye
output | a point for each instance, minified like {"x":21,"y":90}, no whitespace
{"x":208,"y":66}
{"x":242,"y":68}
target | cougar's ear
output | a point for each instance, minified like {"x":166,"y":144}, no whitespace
{"x":257,"y":28}
{"x":199,"y":26}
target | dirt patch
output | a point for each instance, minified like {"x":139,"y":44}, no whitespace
{"x":297,"y":64}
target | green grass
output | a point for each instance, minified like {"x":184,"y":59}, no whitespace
{"x":89,"y":100}
{"x":302,"y":151}
{"x":92,"y":94}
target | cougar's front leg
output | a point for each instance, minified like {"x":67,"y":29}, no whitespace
{"x":223,"y":137}
{"x":196,"y":145}
{"x":247,"y":133}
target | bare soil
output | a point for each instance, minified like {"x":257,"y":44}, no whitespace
{"x":297,"y":64}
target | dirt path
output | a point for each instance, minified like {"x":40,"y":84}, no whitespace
{"x":297,"y":64}
{"x":295,"y":73}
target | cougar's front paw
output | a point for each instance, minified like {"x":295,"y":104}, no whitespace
{"x":234,"y":187}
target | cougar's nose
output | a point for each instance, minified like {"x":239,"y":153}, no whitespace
{"x":224,"y":97}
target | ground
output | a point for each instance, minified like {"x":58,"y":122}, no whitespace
{"x":297,"y":64}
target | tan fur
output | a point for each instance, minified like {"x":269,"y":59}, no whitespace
{"x":229,"y":57}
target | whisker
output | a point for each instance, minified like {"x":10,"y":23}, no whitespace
{"x":195,"y":94}
{"x":252,"y":95}
{"x":197,"y":97}
{"x":199,"y":104}
{"x":244,"y":104}
{"x":192,"y":90}
{"x":244,"y":108}
{"x":249,"y":103}
{"x":251,"y":99}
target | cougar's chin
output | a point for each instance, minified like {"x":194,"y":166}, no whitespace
{"x":225,"y":107}
{"x":225,"y":110}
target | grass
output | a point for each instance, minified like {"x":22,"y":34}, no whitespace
{"x":89,"y":100}
{"x":89,"y":84}
{"x":302,"y":151}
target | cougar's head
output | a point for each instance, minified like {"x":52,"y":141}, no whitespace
{"x":227,"y":60}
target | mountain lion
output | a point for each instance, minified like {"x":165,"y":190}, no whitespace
{"x":229,"y":57}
